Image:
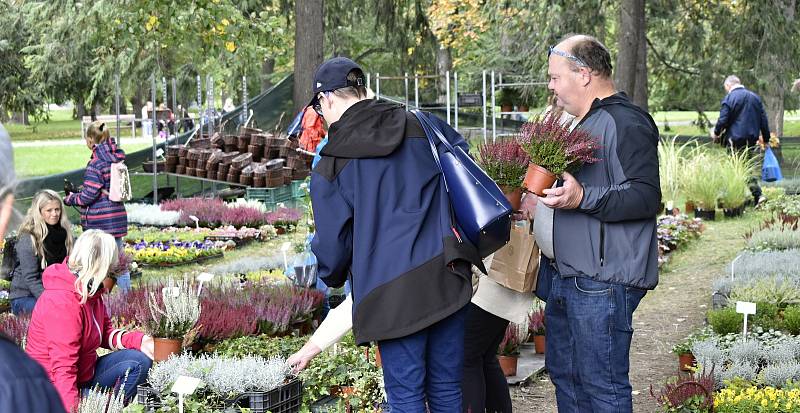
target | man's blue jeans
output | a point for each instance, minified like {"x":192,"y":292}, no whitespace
{"x":23,"y":305}
{"x":426,"y":367}
{"x":109,"y":372}
{"x":589,"y":335}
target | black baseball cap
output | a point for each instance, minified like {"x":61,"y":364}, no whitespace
{"x":332,"y":75}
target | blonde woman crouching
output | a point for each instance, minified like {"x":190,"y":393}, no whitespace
{"x":45,"y":238}
{"x":70,"y":322}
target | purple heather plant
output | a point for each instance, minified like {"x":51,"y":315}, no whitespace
{"x":284,"y":217}
{"x":15,"y":327}
{"x":536,"y":322}
{"x":555,"y":147}
{"x":510,"y":344}
{"x":505,"y":162}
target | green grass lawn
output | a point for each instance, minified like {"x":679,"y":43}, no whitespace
{"x":59,"y":126}
{"x":48,"y":160}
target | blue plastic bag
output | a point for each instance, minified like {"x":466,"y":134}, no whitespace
{"x":771,"y":171}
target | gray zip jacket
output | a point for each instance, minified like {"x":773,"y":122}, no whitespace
{"x":26,"y":278}
{"x":611,"y":237}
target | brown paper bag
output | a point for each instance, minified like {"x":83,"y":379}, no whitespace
{"x":516,"y":265}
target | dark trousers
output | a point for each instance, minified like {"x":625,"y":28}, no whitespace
{"x":484,"y":387}
{"x":425,"y":368}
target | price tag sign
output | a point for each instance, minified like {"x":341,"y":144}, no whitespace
{"x":205,"y":277}
{"x":744,"y":307}
{"x":185,"y":385}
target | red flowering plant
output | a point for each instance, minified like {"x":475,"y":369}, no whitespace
{"x":555,"y":147}
{"x":511,"y":342}
{"x":15,"y":327}
{"x":504,"y":161}
{"x":536,"y":322}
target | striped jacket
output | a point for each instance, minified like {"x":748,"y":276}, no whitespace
{"x":97,"y":211}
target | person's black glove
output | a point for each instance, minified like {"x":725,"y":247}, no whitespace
{"x":68,"y":187}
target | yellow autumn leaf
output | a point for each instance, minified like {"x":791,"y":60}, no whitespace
{"x":230,"y":46}
{"x":225,"y":22}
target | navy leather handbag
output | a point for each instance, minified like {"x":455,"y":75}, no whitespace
{"x":479,"y":206}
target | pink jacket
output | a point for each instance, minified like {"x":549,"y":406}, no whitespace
{"x":64,"y":334}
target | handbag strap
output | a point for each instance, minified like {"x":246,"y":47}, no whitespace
{"x":431,"y":130}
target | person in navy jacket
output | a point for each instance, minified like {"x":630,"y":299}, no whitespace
{"x":382,"y":219}
{"x":742,"y":117}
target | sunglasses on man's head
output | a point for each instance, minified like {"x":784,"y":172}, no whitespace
{"x":318,"y":106}
{"x":553,"y":51}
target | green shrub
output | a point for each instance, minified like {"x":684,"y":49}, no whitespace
{"x":791,"y":319}
{"x":767,"y":316}
{"x":263,"y":345}
{"x":780,"y":291}
{"x":725,"y":321}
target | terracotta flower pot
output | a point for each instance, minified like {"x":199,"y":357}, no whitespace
{"x":164,"y":347}
{"x":538,"y":342}
{"x":506,"y":108}
{"x":342,"y":391}
{"x":686,"y":361}
{"x":538,"y":179}
{"x":689,"y":207}
{"x":514,"y":196}
{"x":523,"y":108}
{"x":508,"y":364}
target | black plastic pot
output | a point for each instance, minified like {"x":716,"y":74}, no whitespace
{"x":704,"y":214}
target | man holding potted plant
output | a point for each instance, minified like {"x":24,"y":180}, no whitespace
{"x":603,"y":249}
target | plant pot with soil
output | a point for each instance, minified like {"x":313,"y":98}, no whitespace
{"x":508,"y":351}
{"x":536,"y":329}
{"x":554,"y":149}
{"x":505,"y":162}
{"x":173,"y":316}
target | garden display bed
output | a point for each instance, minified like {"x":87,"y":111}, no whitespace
{"x":178,"y":264}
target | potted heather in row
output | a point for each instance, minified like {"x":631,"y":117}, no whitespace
{"x":553,"y":149}
{"x":173,"y":316}
{"x":505,"y":162}
{"x":508,"y":351}
{"x":536,"y":329}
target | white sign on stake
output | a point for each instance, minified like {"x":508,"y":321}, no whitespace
{"x":746,"y":308}
{"x":184,"y":385}
{"x":284,"y":249}
{"x":203,"y":277}
{"x":196,"y":221}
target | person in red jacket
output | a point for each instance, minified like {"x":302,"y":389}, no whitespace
{"x":70,"y":323}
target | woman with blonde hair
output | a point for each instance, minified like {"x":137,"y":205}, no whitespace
{"x":70,"y":322}
{"x":45,"y":238}
{"x":97,"y":210}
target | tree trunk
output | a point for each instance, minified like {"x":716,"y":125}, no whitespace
{"x":267,"y":68}
{"x":80,"y":108}
{"x":444,"y":63}
{"x":777,"y":74}
{"x":309,"y":35}
{"x":20,"y":117}
{"x":631,"y":66}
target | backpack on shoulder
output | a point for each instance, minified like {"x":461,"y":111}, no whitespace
{"x":120,"y":185}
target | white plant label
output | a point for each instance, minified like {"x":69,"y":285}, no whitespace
{"x":746,"y":308}
{"x":185,"y":385}
{"x":205,"y":277}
